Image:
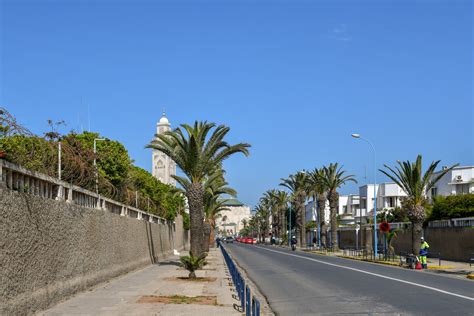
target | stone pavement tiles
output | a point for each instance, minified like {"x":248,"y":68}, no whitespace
{"x":120,"y":296}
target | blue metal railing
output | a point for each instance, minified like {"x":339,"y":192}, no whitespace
{"x":250,"y":304}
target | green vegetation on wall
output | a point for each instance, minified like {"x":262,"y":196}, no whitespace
{"x":118,"y":178}
{"x":454,"y":206}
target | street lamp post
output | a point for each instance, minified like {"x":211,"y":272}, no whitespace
{"x":95,"y":164}
{"x":375,"y":191}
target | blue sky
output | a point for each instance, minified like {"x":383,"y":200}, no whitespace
{"x":293,"y":78}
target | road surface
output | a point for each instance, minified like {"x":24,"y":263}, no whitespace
{"x":299,"y":283}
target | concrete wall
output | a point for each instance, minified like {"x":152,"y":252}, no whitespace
{"x":52,"y":249}
{"x":453,"y":243}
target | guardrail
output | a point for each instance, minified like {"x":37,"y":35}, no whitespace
{"x":16,"y":178}
{"x":248,"y":302}
{"x":454,"y":222}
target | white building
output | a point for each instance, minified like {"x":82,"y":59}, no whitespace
{"x":351,"y":210}
{"x":311,"y":214}
{"x":389,"y":196}
{"x":230,"y":220}
{"x":346,"y":205}
{"x":459,"y":180}
{"x":162,"y":165}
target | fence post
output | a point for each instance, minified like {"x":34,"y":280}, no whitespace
{"x":2,"y":176}
{"x":247,"y":301}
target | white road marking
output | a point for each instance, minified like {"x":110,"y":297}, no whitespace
{"x":371,"y":273}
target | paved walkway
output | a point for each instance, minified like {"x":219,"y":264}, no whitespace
{"x":120,"y":296}
{"x":454,"y":268}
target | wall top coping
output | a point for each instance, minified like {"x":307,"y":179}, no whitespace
{"x":41,"y":176}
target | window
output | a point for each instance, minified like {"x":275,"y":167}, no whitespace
{"x":391,"y":201}
{"x":462,"y":188}
{"x":434,"y":191}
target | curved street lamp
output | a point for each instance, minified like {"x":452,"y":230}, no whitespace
{"x":375,"y":191}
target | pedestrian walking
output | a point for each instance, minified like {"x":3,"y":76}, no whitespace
{"x":314,"y":241}
{"x":424,"y":253}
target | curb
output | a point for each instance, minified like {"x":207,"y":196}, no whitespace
{"x":265,"y":308}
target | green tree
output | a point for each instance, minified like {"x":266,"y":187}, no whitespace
{"x":297,"y":184}
{"x":197,"y":153}
{"x":214,"y":188}
{"x":157,"y":198}
{"x":409,"y":176}
{"x":193,"y":263}
{"x":281,"y":199}
{"x":453,"y":206}
{"x":316,"y":187}
{"x":334,"y":178}
{"x":113,"y":161}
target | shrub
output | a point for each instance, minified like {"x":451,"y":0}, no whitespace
{"x":193,"y":263}
{"x":453,"y":206}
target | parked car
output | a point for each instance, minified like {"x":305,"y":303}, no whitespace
{"x":229,"y":240}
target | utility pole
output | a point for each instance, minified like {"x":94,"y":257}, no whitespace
{"x":95,"y":164}
{"x":59,"y":160}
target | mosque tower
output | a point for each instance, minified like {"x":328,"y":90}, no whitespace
{"x":163,"y":167}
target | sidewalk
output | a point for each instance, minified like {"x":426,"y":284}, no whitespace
{"x":121,"y":296}
{"x":454,"y":268}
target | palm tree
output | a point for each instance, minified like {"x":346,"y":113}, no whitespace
{"x":214,"y":187}
{"x":334,"y":178}
{"x":409,"y":176}
{"x":197,"y":153}
{"x":269,"y":199}
{"x":317,"y":189}
{"x":281,"y":200}
{"x":297,"y":184}
{"x":262,"y":214}
{"x":192,"y":263}
{"x":244,"y":222}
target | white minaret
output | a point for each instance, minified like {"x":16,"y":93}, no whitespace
{"x":163,"y":167}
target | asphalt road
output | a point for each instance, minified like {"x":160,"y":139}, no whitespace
{"x":299,"y":283}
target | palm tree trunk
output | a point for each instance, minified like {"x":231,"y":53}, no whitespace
{"x":207,"y":235}
{"x":333,"y":204}
{"x":417,"y":232}
{"x":298,"y":223}
{"x":195,"y":193}
{"x":417,"y":216}
{"x":212,"y":235}
{"x":283,"y":223}
{"x":322,"y":218}
{"x":303,"y":222}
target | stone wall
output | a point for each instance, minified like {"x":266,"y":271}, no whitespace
{"x":452,"y":243}
{"x":52,"y":249}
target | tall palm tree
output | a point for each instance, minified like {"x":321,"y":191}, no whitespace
{"x":269,"y":198}
{"x":262,"y":213}
{"x":197,"y":150}
{"x":409,"y":176}
{"x":317,"y":189}
{"x":214,"y":188}
{"x":334,"y":178}
{"x":297,"y":185}
{"x":281,"y":199}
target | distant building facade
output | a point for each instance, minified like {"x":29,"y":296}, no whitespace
{"x":389,"y":196}
{"x":459,"y":180}
{"x":230,"y":220}
{"x":162,"y":166}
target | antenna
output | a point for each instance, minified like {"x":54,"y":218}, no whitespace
{"x":80,"y":121}
{"x":88,"y":118}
